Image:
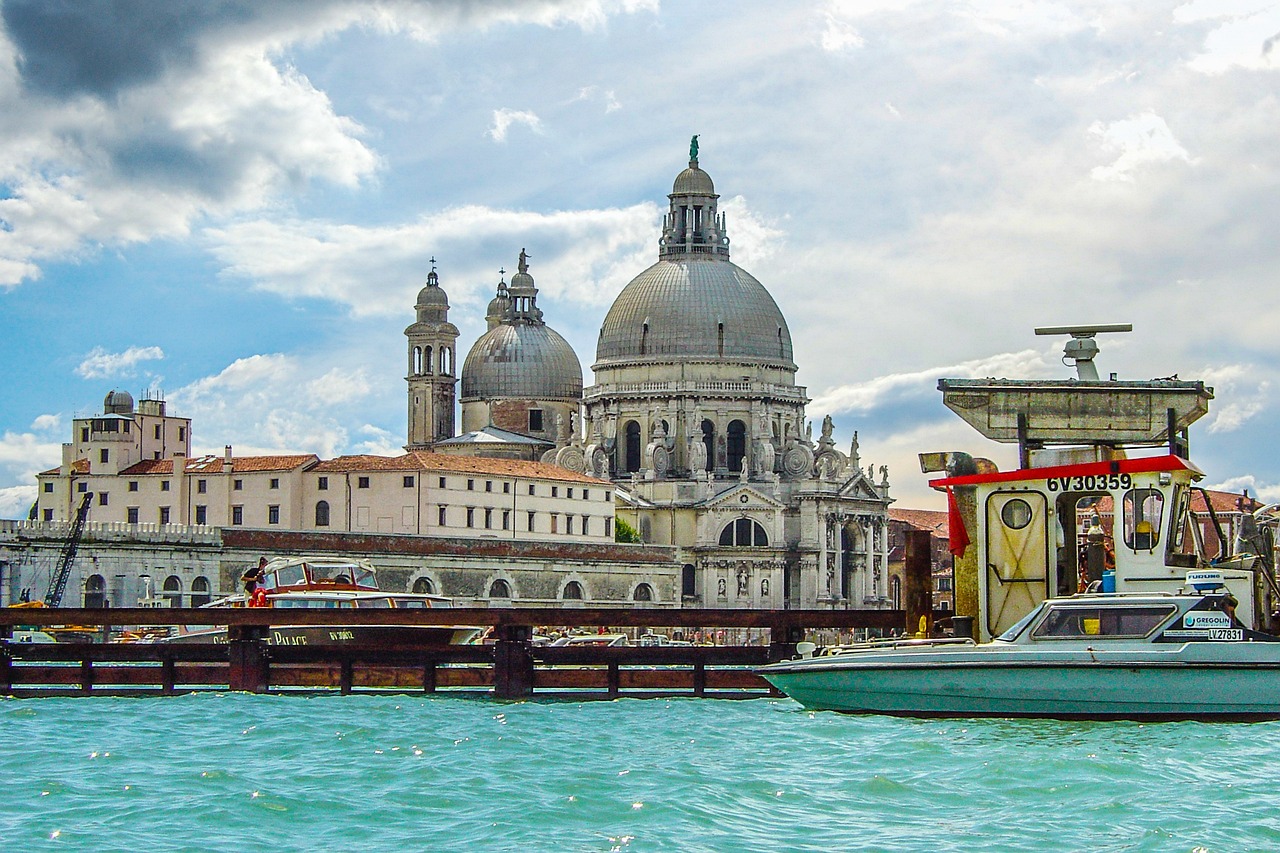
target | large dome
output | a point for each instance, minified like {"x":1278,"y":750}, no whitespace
{"x":694,"y":308}
{"x":526,"y":361}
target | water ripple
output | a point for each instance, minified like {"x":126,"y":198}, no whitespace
{"x":448,"y":772}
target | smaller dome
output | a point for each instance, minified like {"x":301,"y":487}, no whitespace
{"x":524,"y":361}
{"x":693,"y":181}
{"x":432,"y":296}
{"x":118,"y":403}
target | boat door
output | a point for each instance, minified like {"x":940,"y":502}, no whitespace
{"x":1017,"y":557}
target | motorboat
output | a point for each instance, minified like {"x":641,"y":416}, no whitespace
{"x":1097,"y":656}
{"x":1088,"y":581}
{"x":294,"y":583}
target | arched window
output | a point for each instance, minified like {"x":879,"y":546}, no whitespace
{"x":500,"y":589}
{"x":95,"y":591}
{"x":446,"y":361}
{"x":631,"y":449}
{"x":416,"y":367}
{"x":737,"y":444}
{"x":895,"y":592}
{"x":424,"y":586}
{"x":427,"y":364}
{"x":643,"y":592}
{"x":200,"y":592}
{"x":173,"y":590}
{"x":688,"y":581}
{"x":572,"y":591}
{"x":322,"y":514}
{"x":709,"y":441}
{"x":744,"y":533}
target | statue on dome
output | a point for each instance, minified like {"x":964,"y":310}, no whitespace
{"x":524,"y":262}
{"x":693,"y":149}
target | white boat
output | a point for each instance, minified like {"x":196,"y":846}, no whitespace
{"x":331,"y":583}
{"x":1093,"y":656}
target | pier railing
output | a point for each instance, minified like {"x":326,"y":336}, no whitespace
{"x":509,"y":664}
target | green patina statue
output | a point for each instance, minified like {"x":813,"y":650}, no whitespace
{"x":693,"y":148}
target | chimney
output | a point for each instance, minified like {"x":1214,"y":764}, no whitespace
{"x":227,"y":464}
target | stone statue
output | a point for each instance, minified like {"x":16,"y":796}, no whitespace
{"x":742,"y":580}
{"x":720,"y":587}
{"x":693,"y":148}
{"x":827,"y":427}
{"x":697,"y":455}
{"x":764,"y":587}
{"x":524,"y":262}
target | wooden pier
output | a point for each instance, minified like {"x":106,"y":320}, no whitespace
{"x":511,"y":667}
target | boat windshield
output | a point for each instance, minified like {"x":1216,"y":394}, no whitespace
{"x":1076,"y":621}
{"x":1018,"y":627}
{"x":308,"y":602}
{"x":364,"y":603}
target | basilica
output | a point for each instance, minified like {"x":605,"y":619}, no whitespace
{"x":694,"y":415}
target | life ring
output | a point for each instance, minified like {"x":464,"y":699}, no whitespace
{"x":259,"y":598}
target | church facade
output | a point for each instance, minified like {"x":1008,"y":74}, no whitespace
{"x":696,"y":418}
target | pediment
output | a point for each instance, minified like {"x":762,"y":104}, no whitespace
{"x":742,"y":497}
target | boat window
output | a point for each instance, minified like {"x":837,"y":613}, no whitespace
{"x":1016,"y":514}
{"x":310,"y":603}
{"x":1178,"y":525}
{"x":1143,"y":510}
{"x":1078,"y":621}
{"x":286,"y":576}
{"x":413,"y":603}
{"x":364,"y":603}
{"x":1019,"y":626}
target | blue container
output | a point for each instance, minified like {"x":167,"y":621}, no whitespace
{"x":1109,"y":581}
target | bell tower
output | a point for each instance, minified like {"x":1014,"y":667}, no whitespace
{"x":432,"y":373}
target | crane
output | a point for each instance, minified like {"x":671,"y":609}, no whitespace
{"x":58,"y":583}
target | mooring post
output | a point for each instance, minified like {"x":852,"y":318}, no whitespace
{"x":247,"y":656}
{"x":513,"y":662}
{"x":782,"y":641}
{"x":918,"y":588}
{"x":428,"y":675}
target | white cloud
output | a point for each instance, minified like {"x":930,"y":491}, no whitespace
{"x":1244,"y":35}
{"x":16,"y":501}
{"x":866,"y":396}
{"x":1140,"y":141}
{"x":99,"y":363}
{"x":504,"y":118}
{"x":583,"y":254}
{"x":1240,"y":394}
{"x":595,"y":93}
{"x":22,"y":456}
{"x":48,"y":424}
{"x":839,"y":35}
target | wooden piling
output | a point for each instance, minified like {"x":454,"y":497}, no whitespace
{"x":247,"y":656}
{"x":513,"y":662}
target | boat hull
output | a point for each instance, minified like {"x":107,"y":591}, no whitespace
{"x":380,"y":636}
{"x":1181,"y":687}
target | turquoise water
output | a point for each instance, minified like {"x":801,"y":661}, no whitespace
{"x":242,"y":772}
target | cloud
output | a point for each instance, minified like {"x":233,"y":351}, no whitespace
{"x":1141,"y":140}
{"x":131,"y":121}
{"x":862,"y":397}
{"x":586,"y":255}
{"x":595,"y":93}
{"x":285,"y":403}
{"x":22,"y":456}
{"x":100,"y":364}
{"x":1240,"y":394}
{"x":504,"y":118}
{"x":839,"y":35}
{"x":1243,"y":34}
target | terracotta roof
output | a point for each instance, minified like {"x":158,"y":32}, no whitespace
{"x":421,"y":460}
{"x":214,"y":464}
{"x":934,"y":521}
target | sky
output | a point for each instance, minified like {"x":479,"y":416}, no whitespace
{"x":235,"y":203}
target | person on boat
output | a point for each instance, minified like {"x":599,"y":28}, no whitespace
{"x":253,"y":576}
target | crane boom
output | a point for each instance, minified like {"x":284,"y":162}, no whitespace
{"x":58,"y":583}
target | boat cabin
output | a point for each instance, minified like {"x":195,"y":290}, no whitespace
{"x":1048,"y":532}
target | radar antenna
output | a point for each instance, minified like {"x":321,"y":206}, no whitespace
{"x":1082,"y":348}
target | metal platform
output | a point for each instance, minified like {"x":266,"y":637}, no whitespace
{"x":1076,"y":412}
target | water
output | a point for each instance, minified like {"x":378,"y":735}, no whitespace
{"x":280,"y":773}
